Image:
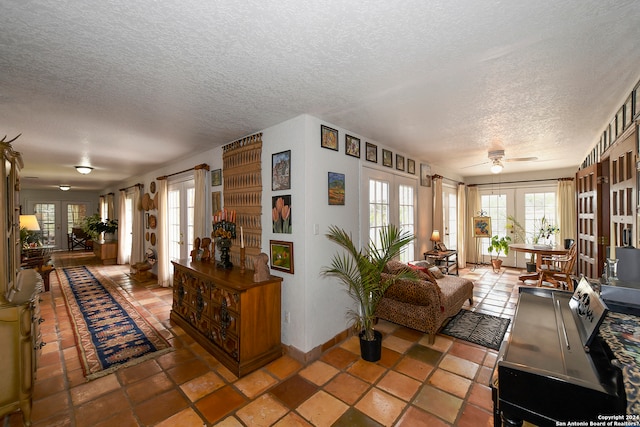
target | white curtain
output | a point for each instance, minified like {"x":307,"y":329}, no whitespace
{"x":438,"y":217}
{"x":473,"y":209}
{"x":462,"y":226}
{"x":566,"y":209}
{"x":137,"y":227}
{"x":111,"y":209}
{"x":164,"y":264}
{"x":202,"y":203}
{"x":123,"y":250}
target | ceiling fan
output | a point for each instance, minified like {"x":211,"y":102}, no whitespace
{"x":496,"y":158}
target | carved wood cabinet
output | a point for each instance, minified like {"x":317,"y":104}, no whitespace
{"x":235,"y":319}
{"x":20,"y":339}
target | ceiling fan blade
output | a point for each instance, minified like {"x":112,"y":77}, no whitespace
{"x":522,"y":159}
{"x":476,"y":165}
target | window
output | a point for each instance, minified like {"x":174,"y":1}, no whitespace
{"x":76,"y":214}
{"x":46,"y":214}
{"x":538,"y":206}
{"x":378,"y":208}
{"x":406,"y":223}
{"x":450,"y":207}
{"x":495,"y":206}
{"x":180,"y":210}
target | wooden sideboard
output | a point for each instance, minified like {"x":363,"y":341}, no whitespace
{"x":106,"y":251}
{"x":234,"y":318}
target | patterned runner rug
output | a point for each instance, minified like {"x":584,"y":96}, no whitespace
{"x":110,"y":333}
{"x":478,"y":328}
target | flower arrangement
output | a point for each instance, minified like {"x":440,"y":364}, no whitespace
{"x":545,"y":230}
{"x":224,"y":225}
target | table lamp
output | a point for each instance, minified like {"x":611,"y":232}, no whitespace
{"x":435,"y":238}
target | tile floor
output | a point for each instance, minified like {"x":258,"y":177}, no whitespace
{"x":413,"y":384}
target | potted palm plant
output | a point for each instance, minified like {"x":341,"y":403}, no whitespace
{"x":499,"y":245}
{"x":360,"y":271}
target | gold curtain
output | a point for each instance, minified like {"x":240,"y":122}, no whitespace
{"x":242,"y":189}
{"x":566,"y":209}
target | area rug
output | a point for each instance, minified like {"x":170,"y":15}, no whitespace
{"x":110,"y":333}
{"x":478,"y":328}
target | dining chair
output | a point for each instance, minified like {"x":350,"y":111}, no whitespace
{"x":557,"y":269}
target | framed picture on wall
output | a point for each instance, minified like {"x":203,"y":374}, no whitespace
{"x":411,"y":166}
{"x":352,"y":146}
{"x":216,"y":177}
{"x":387,"y":158}
{"x":481,"y":226}
{"x":281,"y":214}
{"x":281,"y":171}
{"x":328,"y":138}
{"x":425,"y":175}
{"x":281,"y":255}
{"x":400,"y":162}
{"x":336,"y":188}
{"x":372,"y":152}
{"x":216,"y":203}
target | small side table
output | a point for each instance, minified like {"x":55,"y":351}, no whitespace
{"x":446,"y":260}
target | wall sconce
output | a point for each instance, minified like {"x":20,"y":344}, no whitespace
{"x":84,"y":170}
{"x":435,"y":237}
{"x":65,"y":187}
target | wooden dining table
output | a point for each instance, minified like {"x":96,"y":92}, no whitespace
{"x":539,"y":251}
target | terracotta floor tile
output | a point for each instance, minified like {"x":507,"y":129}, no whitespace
{"x":292,"y":420}
{"x":161,"y":407}
{"x":90,"y":390}
{"x":366,"y":371}
{"x":459,"y":366}
{"x":49,"y":406}
{"x":202,"y":385}
{"x":123,"y":418}
{"x":48,"y":387}
{"x":399,"y":385}
{"x":442,"y":343}
{"x":417,"y":417}
{"x":62,"y":419}
{"x":220,"y":403}
{"x":187,"y":371}
{"x":353,"y":417}
{"x":283,"y":367}
{"x":475,"y":417}
{"x":481,"y":396}
{"x":339,"y":358}
{"x":438,"y":402}
{"x":386,"y":327}
{"x":408,"y":334}
{"x":322,"y":409}
{"x":388,"y":357}
{"x":293,"y":391}
{"x":152,"y":386}
{"x":347,"y":388}
{"x":262,"y":412}
{"x":425,"y":354}
{"x":473,"y":353}
{"x":414,"y":368}
{"x":381,"y":406}
{"x":101,"y":408}
{"x":319,"y":372}
{"x":352,"y":344}
{"x":138,"y":372}
{"x":230,"y":421}
{"x":175,"y":358}
{"x":255,"y":383}
{"x":397,"y":344}
{"x":449,"y":382}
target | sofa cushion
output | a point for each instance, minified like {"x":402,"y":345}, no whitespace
{"x":421,"y":292}
{"x":436,"y":272}
{"x":394,"y":267}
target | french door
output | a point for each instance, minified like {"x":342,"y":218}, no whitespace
{"x":180,"y":210}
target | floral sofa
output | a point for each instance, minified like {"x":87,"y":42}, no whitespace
{"x":424,"y":304}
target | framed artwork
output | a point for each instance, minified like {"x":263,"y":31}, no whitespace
{"x":372,"y":152}
{"x":425,"y":175}
{"x":352,"y":146}
{"x":281,"y":214}
{"x":387,"y":158}
{"x":440,"y":247}
{"x":216,"y":202}
{"x":328,"y":138}
{"x":336,"y":188}
{"x":399,"y":162}
{"x":636,"y":102}
{"x":628,"y":111}
{"x":281,"y":255}
{"x":481,"y":226}
{"x":216,"y":177}
{"x":411,"y":166}
{"x":280,"y":171}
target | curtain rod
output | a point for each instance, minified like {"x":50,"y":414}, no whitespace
{"x":196,"y":167}
{"x":108,"y":194}
{"x":455,"y":181}
{"x":131,"y":186}
{"x":520,"y":182}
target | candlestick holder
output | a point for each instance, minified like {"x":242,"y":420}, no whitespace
{"x":243,"y":259}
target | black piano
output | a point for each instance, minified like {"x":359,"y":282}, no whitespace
{"x":554,"y":368}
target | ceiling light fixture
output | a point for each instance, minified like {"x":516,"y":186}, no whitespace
{"x":84,"y":170}
{"x":65,"y":187}
{"x":496,"y":167}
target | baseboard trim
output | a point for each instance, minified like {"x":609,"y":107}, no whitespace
{"x":316,"y":352}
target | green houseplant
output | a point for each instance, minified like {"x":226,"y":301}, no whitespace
{"x":94,"y":226}
{"x":360,"y":271}
{"x":499,"y":245}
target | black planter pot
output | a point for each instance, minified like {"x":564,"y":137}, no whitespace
{"x":371,"y":351}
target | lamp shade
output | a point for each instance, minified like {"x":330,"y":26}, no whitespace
{"x":29,"y":222}
{"x":84,"y":170}
{"x":435,"y":236}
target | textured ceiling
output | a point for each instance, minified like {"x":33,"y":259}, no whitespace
{"x":128,"y":86}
